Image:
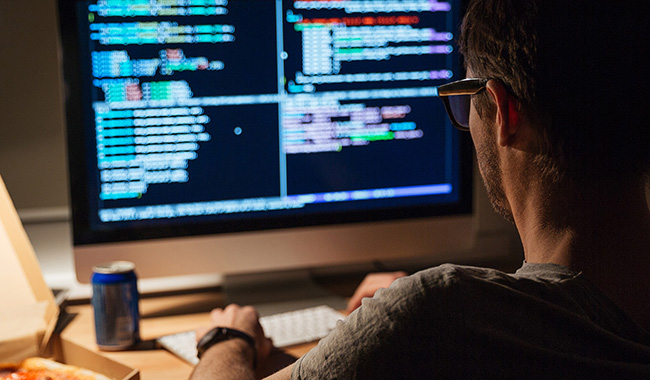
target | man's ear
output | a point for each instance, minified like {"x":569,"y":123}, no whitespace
{"x":507,"y":112}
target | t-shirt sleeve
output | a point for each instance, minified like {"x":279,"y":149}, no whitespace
{"x":381,"y":339}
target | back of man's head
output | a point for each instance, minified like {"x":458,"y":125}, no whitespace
{"x":579,"y":67}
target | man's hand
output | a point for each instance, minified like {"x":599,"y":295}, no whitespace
{"x":370,"y":285}
{"x":244,"y":319}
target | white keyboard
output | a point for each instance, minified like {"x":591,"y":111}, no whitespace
{"x":286,"y":329}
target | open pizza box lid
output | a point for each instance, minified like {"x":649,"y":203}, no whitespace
{"x":28,"y":310}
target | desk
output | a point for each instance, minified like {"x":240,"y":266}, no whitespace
{"x":160,"y":316}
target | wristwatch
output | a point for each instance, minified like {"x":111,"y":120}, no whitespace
{"x":221,"y":334}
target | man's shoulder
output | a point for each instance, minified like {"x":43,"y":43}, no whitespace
{"x":457,"y":287}
{"x":443,"y":290}
{"x":440,"y":290}
{"x":452,"y":276}
{"x":535,"y":290}
{"x":458,"y":276}
{"x":456,"y":270}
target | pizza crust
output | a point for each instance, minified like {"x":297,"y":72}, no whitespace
{"x":47,"y":369}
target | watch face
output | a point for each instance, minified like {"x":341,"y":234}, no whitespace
{"x":207,"y":341}
{"x":207,"y":337}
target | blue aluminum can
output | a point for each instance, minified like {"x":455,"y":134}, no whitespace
{"x":115,"y":301}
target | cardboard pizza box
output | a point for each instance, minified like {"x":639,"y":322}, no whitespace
{"x":28,"y":310}
{"x":68,"y":352}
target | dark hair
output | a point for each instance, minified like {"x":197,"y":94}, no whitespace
{"x":577,"y":66}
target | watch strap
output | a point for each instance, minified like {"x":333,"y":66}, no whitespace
{"x":222,"y":334}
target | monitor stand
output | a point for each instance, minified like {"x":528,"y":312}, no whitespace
{"x":278,"y":292}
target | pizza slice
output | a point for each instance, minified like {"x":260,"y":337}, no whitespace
{"x":45,"y":369}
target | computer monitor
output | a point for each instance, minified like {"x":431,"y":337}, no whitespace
{"x":262,"y":135}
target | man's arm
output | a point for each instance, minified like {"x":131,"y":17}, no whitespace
{"x":233,"y":359}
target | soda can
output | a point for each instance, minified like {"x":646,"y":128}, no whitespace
{"x":115,"y":302}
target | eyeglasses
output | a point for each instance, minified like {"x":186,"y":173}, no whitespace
{"x":457,"y":96}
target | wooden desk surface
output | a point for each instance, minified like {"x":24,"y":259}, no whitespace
{"x":160,"y":316}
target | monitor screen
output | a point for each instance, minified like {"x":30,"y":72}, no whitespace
{"x":203,"y":117}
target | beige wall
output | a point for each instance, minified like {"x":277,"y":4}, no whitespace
{"x":32,"y":138}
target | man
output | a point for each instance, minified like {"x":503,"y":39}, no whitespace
{"x":559,"y":123}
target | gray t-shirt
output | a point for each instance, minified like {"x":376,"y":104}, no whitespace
{"x":544,"y":321}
